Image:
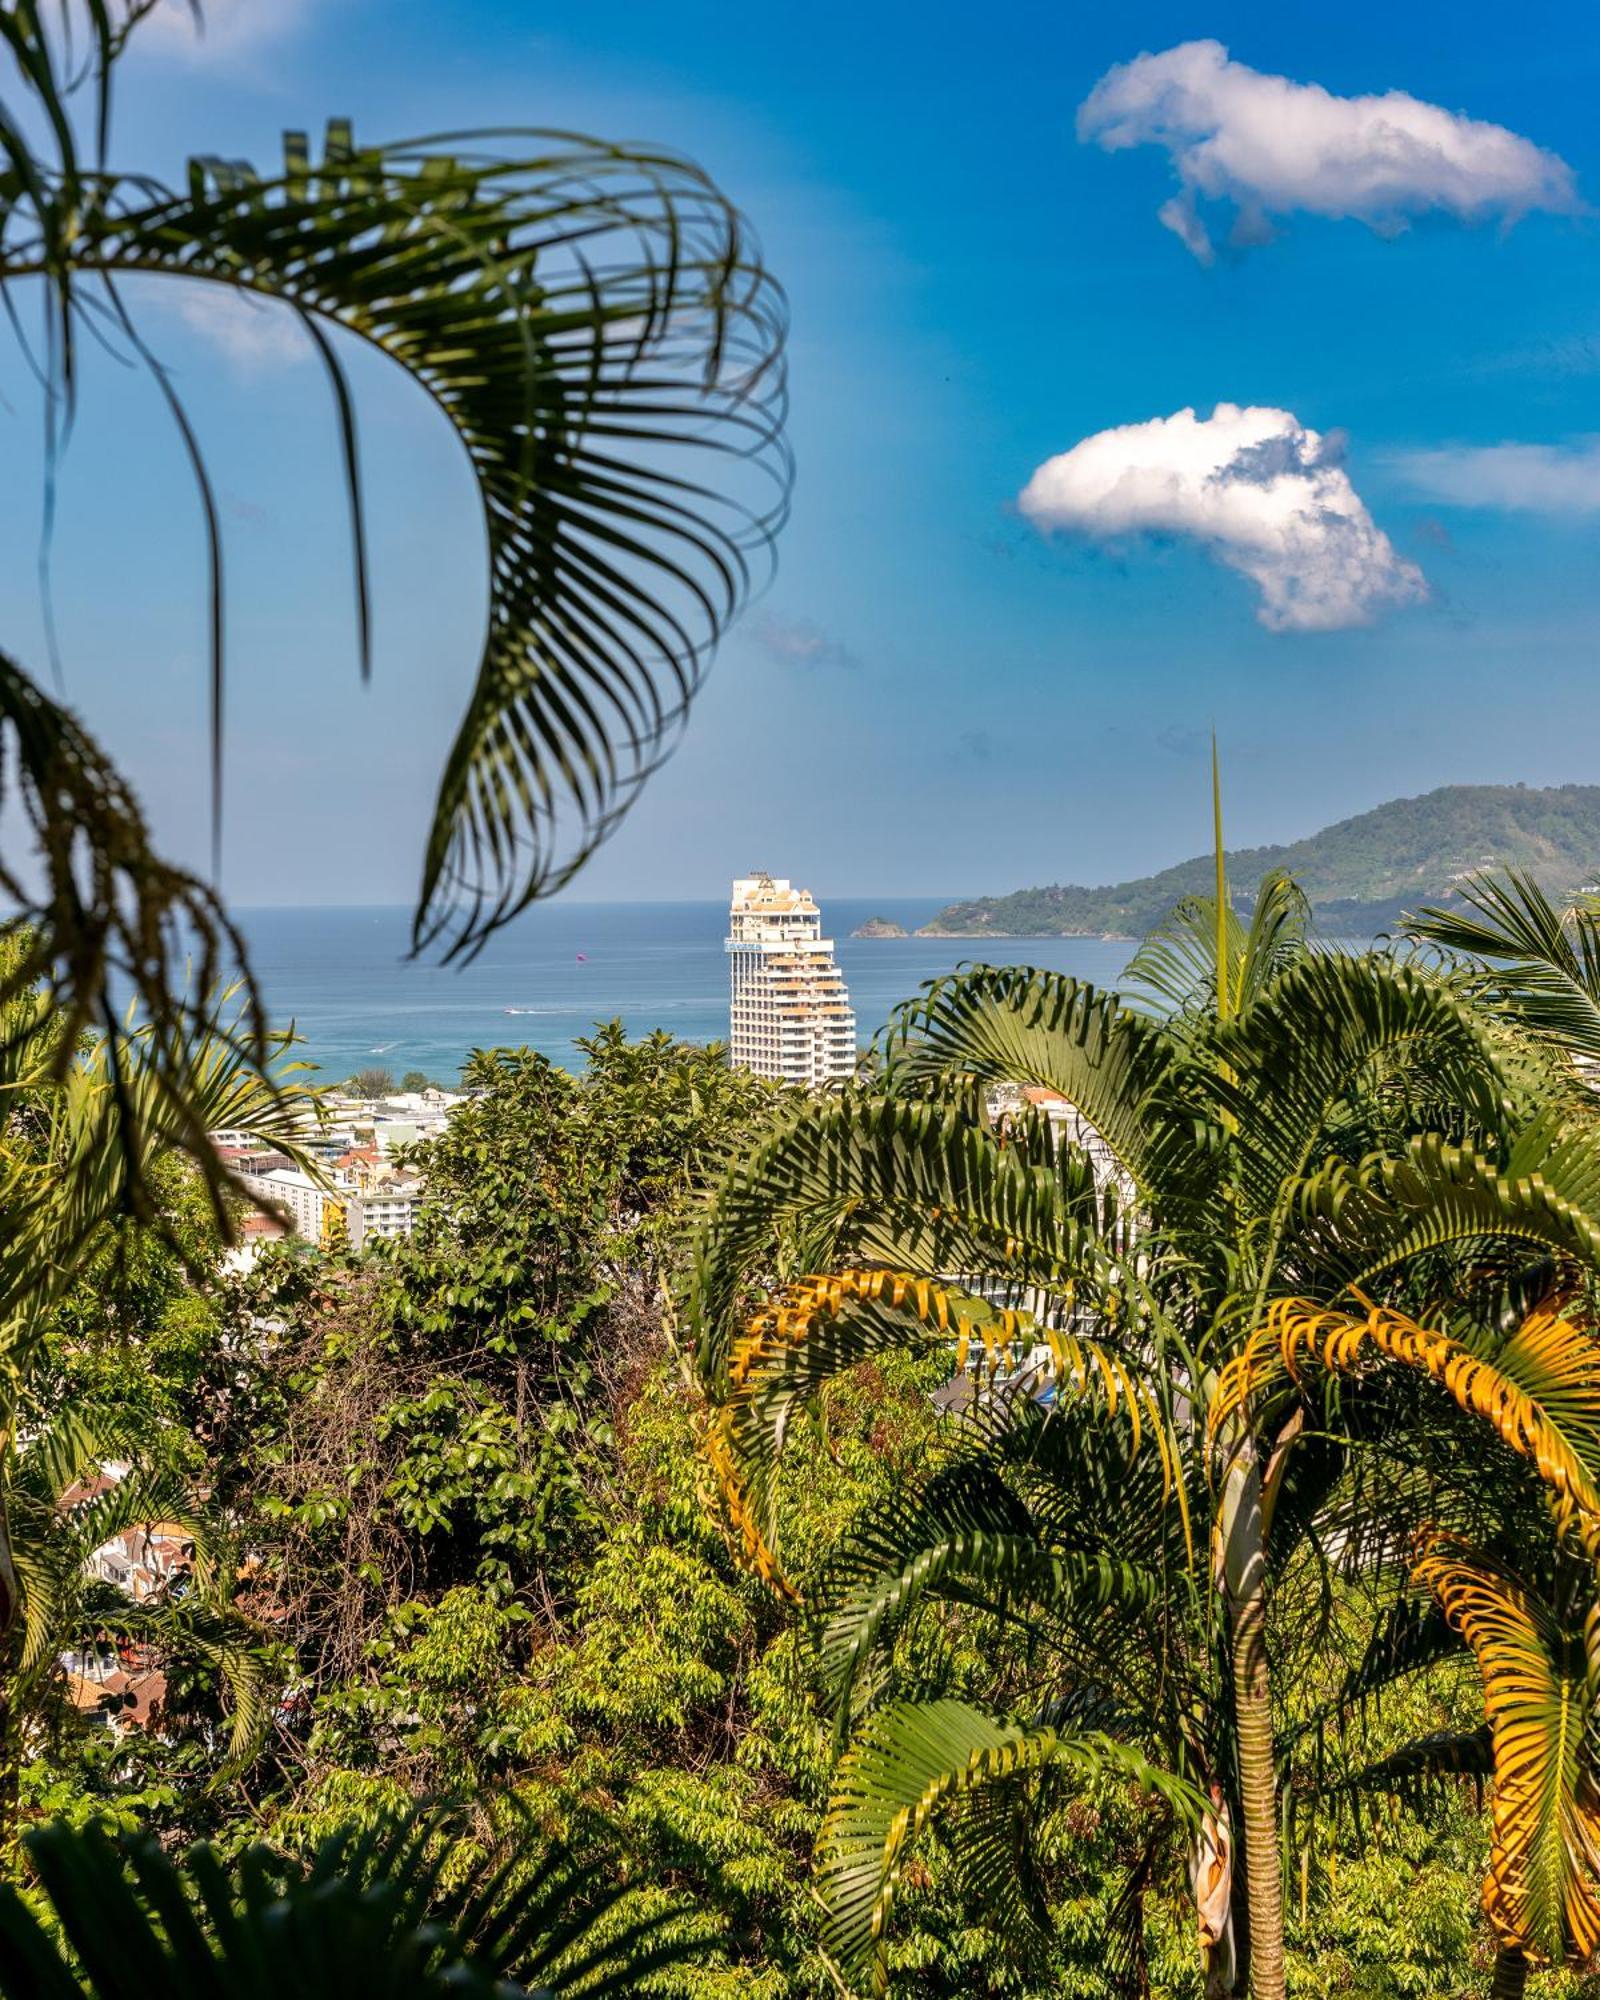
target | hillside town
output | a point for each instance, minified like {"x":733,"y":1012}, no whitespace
{"x":366,"y":1185}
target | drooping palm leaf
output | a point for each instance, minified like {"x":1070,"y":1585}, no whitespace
{"x":97,"y":925}
{"x":53,"y":1544}
{"x":964,"y":1537}
{"x":900,"y":1184}
{"x":595,"y":324}
{"x":124,"y":1105}
{"x":1540,"y":1391}
{"x":821,"y":1326}
{"x":1543,"y":1890}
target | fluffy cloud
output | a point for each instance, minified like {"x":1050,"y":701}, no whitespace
{"x":796,"y":642}
{"x":1265,"y":495}
{"x":1271,"y":146}
{"x":1533,"y":478}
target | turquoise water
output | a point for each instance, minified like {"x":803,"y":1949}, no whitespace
{"x":343,"y":978}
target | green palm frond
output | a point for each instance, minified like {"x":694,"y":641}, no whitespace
{"x":1011,"y":1024}
{"x":1538,"y":963}
{"x":52,"y":1546}
{"x":1360,"y":1224}
{"x":103,"y":936}
{"x":917,"y":1761}
{"x":1408,"y":1771}
{"x":595,"y":324}
{"x":119,"y":1110}
{"x":73,"y":1444}
{"x":906,"y":1185}
{"x":1319,"y":1040}
{"x":367,"y":1913}
{"x":964,"y":1537}
{"x":1174,"y":971}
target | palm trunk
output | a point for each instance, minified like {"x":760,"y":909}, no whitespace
{"x":1244,"y":1575}
{"x":1510,"y":1974}
{"x":10,"y":1747}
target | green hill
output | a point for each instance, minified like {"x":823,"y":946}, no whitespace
{"x":1360,"y":874}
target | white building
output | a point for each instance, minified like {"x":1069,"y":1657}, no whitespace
{"x":791,"y":1017}
{"x":389,"y":1210}
{"x":294,"y":1194}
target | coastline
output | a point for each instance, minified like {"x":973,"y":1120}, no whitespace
{"x":1023,"y":937}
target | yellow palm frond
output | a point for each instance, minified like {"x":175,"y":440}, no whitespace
{"x":1540,"y":1391}
{"x":820,"y":1326}
{"x":1542,"y":1893}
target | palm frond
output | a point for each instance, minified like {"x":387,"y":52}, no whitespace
{"x":595,"y":324}
{"x":963,"y":1536}
{"x":1538,"y":963}
{"x":914,"y":1761}
{"x":817,"y":1328}
{"x":1174,"y":971}
{"x":1011,"y":1024}
{"x":1540,"y":1391}
{"x":102,"y":935}
{"x":1358,"y":1224}
{"x":1318,"y":1040}
{"x":367,"y":1912}
{"x":1542,"y":1893}
{"x":897,"y":1184}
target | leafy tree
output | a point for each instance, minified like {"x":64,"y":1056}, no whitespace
{"x":372,"y":1083}
{"x":415,"y":1079}
{"x":1302,"y":1127}
{"x":434,"y":1416}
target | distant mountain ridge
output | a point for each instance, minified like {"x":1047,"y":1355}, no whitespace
{"x":1361,"y":874}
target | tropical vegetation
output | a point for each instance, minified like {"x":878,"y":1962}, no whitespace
{"x":1280,"y":1359}
{"x":1108,"y":1503}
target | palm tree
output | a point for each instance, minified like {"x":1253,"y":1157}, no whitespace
{"x":378,"y":1912}
{"x":58,"y":1518}
{"x":1330,"y":1131}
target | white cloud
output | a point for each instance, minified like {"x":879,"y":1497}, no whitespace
{"x":1530,"y":478}
{"x":228,"y":28}
{"x":255,"y":336}
{"x":1271,"y":146}
{"x":1263,"y":494}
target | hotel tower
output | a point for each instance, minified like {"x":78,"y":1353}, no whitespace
{"x":791,"y":1016}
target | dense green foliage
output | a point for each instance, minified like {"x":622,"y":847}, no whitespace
{"x":1360,"y":874}
{"x":466,"y":1485}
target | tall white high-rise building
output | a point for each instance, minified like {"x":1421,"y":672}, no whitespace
{"x":791,"y":1016}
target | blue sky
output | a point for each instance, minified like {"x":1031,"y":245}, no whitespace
{"x":941,"y":693}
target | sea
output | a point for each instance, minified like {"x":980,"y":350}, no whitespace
{"x":343,"y":979}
